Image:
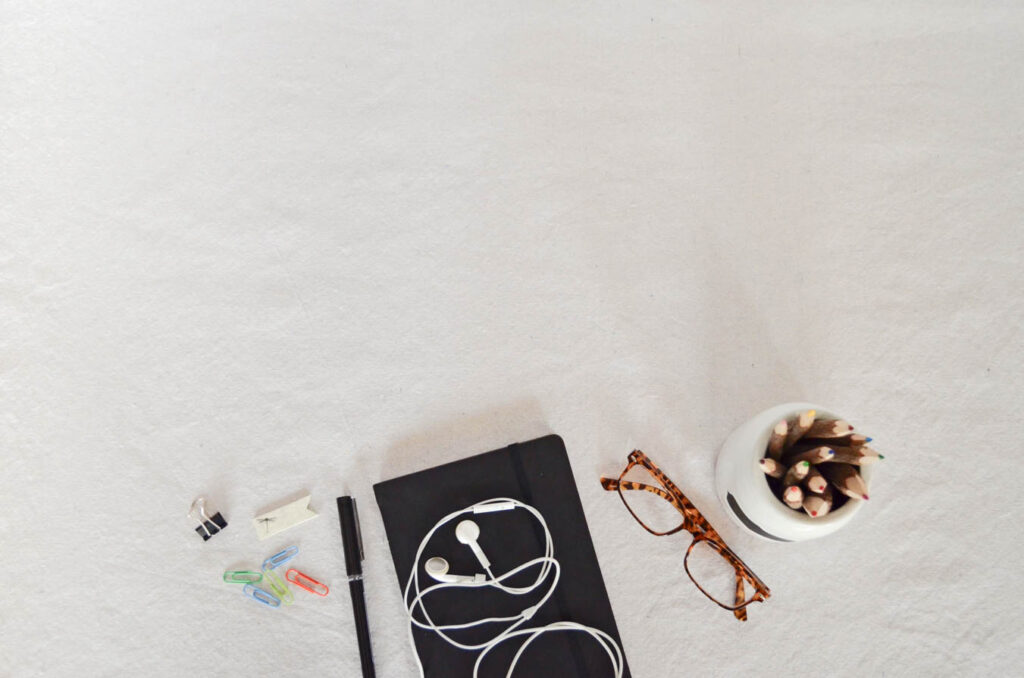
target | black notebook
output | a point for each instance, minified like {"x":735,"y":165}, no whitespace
{"x":536,"y":473}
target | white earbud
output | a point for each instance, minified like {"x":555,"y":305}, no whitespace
{"x":437,"y":568}
{"x":467,"y":532}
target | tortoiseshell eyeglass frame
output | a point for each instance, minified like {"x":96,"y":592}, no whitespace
{"x":694,"y":523}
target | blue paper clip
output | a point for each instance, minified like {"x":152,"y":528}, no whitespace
{"x":279,"y":559}
{"x":261,"y":595}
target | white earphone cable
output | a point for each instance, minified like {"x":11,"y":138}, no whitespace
{"x":547,"y":563}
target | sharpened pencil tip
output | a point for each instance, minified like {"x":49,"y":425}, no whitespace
{"x":814,"y":514}
{"x":881,"y":456}
{"x":868,"y":440}
{"x":864,"y":495}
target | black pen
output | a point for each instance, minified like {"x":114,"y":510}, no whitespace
{"x":352,"y":542}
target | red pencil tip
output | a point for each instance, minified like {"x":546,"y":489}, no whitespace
{"x":814,"y":513}
{"x":865,"y":496}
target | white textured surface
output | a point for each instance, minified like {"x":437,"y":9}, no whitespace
{"x":254,"y":248}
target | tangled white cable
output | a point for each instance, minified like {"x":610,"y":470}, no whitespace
{"x":467,"y":532}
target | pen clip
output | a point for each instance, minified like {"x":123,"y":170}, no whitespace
{"x":359,"y":529}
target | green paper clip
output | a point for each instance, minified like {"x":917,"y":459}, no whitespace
{"x":278,"y":586}
{"x":242,"y":577}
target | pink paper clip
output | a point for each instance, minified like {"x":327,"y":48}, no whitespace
{"x":304,"y":581}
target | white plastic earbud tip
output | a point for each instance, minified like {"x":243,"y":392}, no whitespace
{"x":436,"y":566}
{"x":467,"y":531}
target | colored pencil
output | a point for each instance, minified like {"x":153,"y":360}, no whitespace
{"x":799,"y":427}
{"x":778,"y":439}
{"x":855,"y":440}
{"x":818,"y":505}
{"x":773,"y":468}
{"x":829,"y":428}
{"x":793,"y":496}
{"x":846,"y":479}
{"x":796,"y":473}
{"x":815,"y":482}
{"x":815,"y":455}
{"x":854,"y":455}
{"x":861,"y":450}
{"x":855,"y":459}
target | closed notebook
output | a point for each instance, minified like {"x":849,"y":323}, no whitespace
{"x":536,"y":473}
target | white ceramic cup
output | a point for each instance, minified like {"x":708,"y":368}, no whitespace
{"x":743,"y":488}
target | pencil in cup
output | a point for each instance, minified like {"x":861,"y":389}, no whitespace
{"x":853,"y":440}
{"x":846,"y":479}
{"x":793,"y":496}
{"x":815,"y":455}
{"x":818,"y":505}
{"x":829,"y":428}
{"x":772,"y":468}
{"x":777,"y":441}
{"x":858,"y":456}
{"x":796,"y":473}
{"x":798,"y":428}
{"x":815,"y":482}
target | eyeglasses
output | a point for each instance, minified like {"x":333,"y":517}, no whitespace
{"x":713,"y":563}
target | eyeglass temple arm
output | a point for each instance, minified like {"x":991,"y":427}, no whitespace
{"x":741,"y":596}
{"x":611,"y":484}
{"x":749,"y":575}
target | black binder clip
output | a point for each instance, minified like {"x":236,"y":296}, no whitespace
{"x":208,"y":525}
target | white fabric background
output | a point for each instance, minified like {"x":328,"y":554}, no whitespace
{"x":253,"y":248}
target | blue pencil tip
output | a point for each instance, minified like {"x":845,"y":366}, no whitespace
{"x":868,"y":440}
